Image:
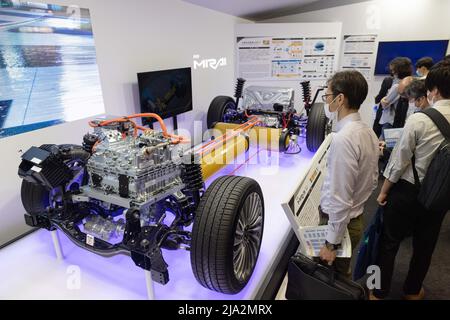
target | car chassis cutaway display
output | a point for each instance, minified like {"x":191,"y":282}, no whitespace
{"x":274,"y":107}
{"x":131,"y":190}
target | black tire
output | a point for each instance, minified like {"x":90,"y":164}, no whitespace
{"x":284,"y":140}
{"x":35,"y":198}
{"x":214,"y":234}
{"x":217,"y":109}
{"x":316,"y":129}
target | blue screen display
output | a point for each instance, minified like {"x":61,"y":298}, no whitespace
{"x":411,"y":49}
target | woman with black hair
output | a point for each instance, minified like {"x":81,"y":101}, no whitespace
{"x":392,"y":103}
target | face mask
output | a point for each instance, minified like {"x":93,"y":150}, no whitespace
{"x":333,"y":116}
{"x":419,"y":73}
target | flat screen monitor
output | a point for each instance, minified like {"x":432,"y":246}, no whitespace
{"x":414,"y":50}
{"x":167,"y":92}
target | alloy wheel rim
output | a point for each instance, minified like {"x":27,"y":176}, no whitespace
{"x":247,"y":239}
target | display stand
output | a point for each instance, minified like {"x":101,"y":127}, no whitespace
{"x":57,"y":245}
{"x":60,"y":257}
{"x":150,"y":285}
{"x":175,"y":123}
{"x":262,"y":166}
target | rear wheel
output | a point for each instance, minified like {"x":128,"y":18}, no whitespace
{"x":227,"y":234}
{"x":218,"y":108}
{"x":285,"y":138}
{"x":317,"y":127}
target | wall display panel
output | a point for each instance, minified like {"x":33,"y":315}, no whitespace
{"x":48,"y":66}
{"x":285,"y":54}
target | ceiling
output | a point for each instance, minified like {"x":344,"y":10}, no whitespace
{"x":256,"y":10}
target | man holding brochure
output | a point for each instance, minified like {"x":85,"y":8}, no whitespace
{"x":352,"y":166}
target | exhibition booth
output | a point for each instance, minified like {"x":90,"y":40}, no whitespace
{"x":176,"y":150}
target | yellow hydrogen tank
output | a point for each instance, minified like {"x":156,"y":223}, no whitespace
{"x":262,"y":137}
{"x":229,"y":152}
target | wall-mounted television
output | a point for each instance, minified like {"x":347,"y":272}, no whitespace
{"x":166,"y":92}
{"x":414,"y":50}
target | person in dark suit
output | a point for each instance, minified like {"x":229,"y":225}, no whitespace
{"x":403,"y":104}
{"x":385,"y":86}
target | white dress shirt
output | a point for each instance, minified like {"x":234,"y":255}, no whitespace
{"x":352,"y":174}
{"x":421,"y":138}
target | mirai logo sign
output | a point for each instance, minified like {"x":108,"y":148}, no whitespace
{"x":209,"y":63}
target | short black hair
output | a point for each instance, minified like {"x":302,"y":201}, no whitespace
{"x":352,"y":85}
{"x":416,"y":89}
{"x":426,"y":62}
{"x":401,"y":66}
{"x":439,"y":77}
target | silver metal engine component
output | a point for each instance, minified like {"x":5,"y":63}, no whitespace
{"x":269,"y":121}
{"x":104,"y":229}
{"x":133,"y":171}
{"x":264,"y":98}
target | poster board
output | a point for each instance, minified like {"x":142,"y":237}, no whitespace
{"x":359,"y":54}
{"x":285,"y":54}
{"x":272,"y":58}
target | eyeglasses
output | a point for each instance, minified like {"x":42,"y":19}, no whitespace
{"x":325,"y":96}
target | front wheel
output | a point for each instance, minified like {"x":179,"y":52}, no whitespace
{"x":36,"y":198}
{"x":317,"y":127}
{"x":227,"y":234}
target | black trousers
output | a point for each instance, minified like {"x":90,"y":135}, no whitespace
{"x":405,"y":217}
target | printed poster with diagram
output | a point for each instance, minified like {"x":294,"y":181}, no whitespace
{"x":319,"y":58}
{"x":302,"y":208}
{"x":359,"y":54}
{"x":269,"y":58}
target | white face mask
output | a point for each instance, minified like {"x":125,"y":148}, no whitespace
{"x":333,"y":116}
{"x":419,"y":73}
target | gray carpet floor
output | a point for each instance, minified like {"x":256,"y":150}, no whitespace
{"x":437,"y":282}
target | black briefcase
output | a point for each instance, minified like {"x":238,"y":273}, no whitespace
{"x":310,"y":280}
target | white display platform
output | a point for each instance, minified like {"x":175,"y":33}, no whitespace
{"x":30,"y":270}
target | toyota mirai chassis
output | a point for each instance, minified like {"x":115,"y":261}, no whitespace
{"x":121,"y":192}
{"x":274,"y":108}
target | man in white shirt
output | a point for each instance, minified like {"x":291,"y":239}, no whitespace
{"x":352,"y":165}
{"x":403,"y":214}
